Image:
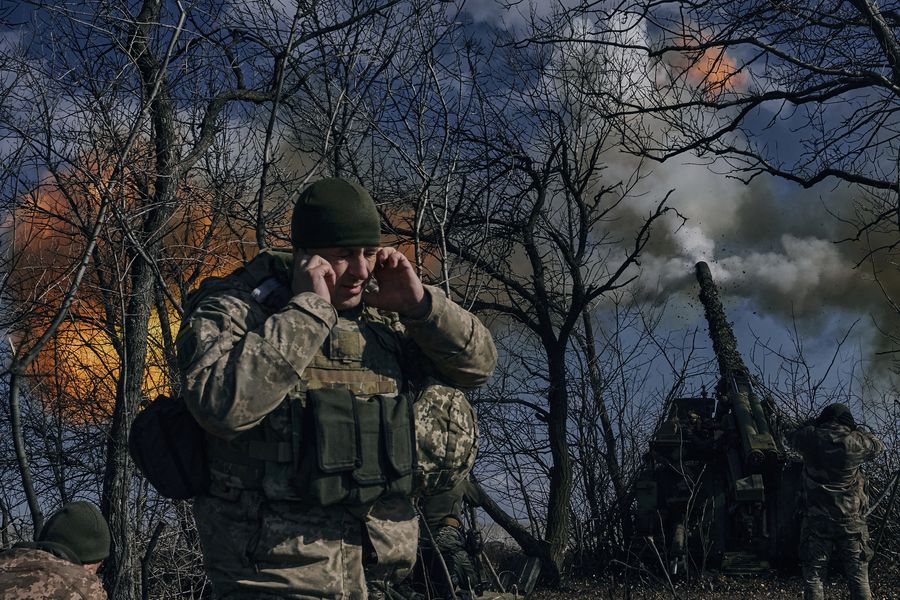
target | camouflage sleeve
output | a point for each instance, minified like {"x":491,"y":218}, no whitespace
{"x":455,"y":341}
{"x":238,"y":362}
{"x":865,"y":445}
{"x":95,"y":589}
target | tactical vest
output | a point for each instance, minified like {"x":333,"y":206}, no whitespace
{"x":337,"y":436}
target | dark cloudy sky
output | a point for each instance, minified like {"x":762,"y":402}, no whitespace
{"x":771,"y":245}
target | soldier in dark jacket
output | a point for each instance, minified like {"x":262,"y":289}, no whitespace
{"x":63,"y":563}
{"x":833,"y":449}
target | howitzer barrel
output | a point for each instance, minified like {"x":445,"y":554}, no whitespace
{"x":750,"y":419}
{"x":756,"y":438}
{"x":724,"y":342}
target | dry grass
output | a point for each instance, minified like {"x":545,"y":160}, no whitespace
{"x":714,"y":587}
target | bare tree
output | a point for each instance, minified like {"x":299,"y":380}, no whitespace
{"x":130,"y":117}
{"x":806,"y":92}
{"x":537,"y":237}
{"x":731,"y":79}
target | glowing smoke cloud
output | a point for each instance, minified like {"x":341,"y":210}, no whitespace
{"x":769,"y":243}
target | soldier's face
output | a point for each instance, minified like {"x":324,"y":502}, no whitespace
{"x":352,"y":267}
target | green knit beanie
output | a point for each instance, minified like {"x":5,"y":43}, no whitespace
{"x":80,"y":527}
{"x":334,"y":213}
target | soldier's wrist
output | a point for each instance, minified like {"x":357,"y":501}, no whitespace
{"x":421,"y":310}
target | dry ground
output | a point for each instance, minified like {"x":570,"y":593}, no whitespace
{"x":714,"y":588}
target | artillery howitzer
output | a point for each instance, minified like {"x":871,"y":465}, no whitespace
{"x":717,"y":488}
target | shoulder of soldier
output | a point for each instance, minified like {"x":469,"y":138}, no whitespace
{"x":212,"y":286}
{"x":30,"y":572}
{"x":46,"y":551}
{"x":266,"y":265}
{"x":14,"y":556}
{"x":801,"y":434}
{"x":24,"y":552}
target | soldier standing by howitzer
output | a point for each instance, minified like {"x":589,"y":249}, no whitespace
{"x":835,"y":500}
{"x":328,"y":400}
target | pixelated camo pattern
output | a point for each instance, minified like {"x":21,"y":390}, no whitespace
{"x":446,"y":438}
{"x":241,"y":366}
{"x":823,"y":539}
{"x":832,"y":481}
{"x":28,"y":574}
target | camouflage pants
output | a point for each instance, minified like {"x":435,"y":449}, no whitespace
{"x":255,"y":548}
{"x":819,"y":538}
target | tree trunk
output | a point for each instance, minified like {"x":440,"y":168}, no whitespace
{"x":15,"y":411}
{"x":557,"y":531}
{"x":4,"y":524}
{"x":119,"y":574}
{"x":609,"y":439}
{"x":587,"y":445}
{"x":121,"y":578}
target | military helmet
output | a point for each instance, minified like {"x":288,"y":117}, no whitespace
{"x":446,"y":438}
{"x":837,"y":413}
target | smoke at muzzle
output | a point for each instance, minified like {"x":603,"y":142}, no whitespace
{"x":773,"y":249}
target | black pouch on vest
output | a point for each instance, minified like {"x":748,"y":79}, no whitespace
{"x":387,"y":449}
{"x":330,"y":447}
{"x":399,"y":440}
{"x":356,"y":451}
{"x":370,"y":476}
{"x":167,"y":446}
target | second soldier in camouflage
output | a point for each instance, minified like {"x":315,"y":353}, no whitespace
{"x":835,"y":500}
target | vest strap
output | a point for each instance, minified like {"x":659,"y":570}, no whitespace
{"x":271,"y":451}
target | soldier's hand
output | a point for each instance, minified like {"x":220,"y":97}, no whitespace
{"x":312,"y":273}
{"x":399,"y":288}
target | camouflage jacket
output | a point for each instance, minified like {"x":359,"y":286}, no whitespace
{"x":30,"y":571}
{"x":244,"y":349}
{"x":833,"y":485}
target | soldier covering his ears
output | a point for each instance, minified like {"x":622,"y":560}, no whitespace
{"x":327,"y":403}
